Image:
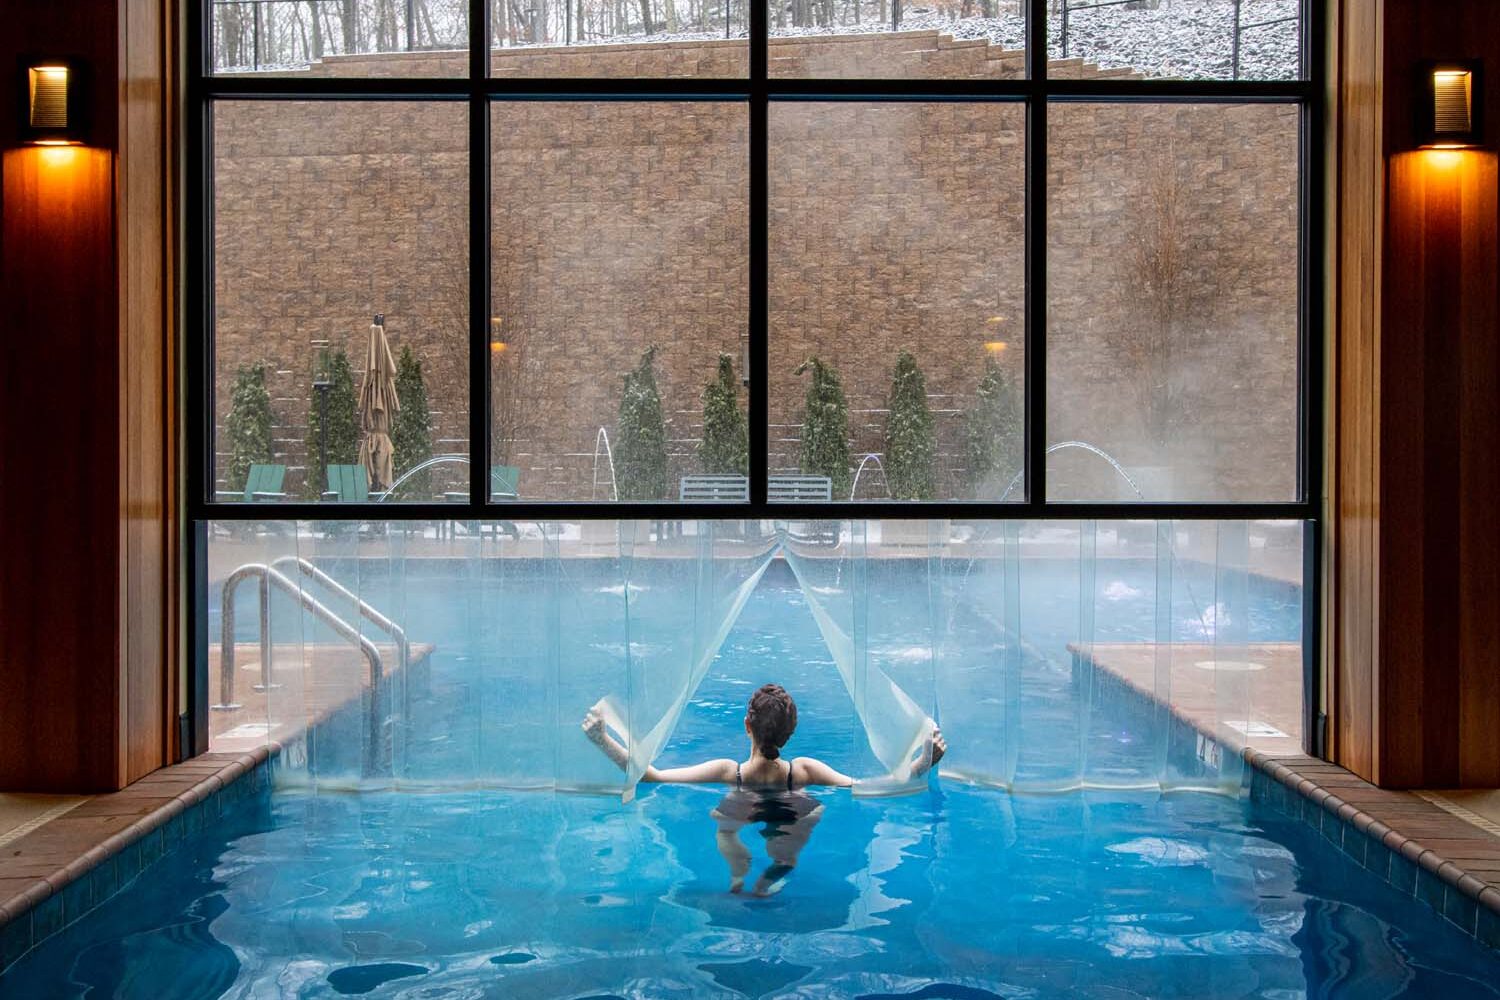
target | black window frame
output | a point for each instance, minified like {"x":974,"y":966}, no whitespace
{"x":1036,"y":92}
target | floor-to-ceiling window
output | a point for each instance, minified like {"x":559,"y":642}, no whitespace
{"x":480,"y":275}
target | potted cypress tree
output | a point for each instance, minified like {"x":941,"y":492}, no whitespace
{"x":338,"y":443}
{"x":641,"y":436}
{"x":725,"y":449}
{"x":993,"y":428}
{"x":910,"y":441}
{"x":248,"y":425}
{"x":411,"y":432}
{"x":825,"y":427}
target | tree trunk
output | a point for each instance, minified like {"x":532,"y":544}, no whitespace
{"x":349,"y":22}
{"x":317,"y":31}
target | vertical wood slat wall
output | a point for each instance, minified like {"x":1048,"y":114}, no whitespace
{"x":1415,"y":573}
{"x":87,"y":494}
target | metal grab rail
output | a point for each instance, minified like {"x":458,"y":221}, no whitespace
{"x":367,"y":611}
{"x":268,"y":577}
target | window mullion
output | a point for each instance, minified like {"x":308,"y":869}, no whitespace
{"x":479,"y":255}
{"x":758,"y":357}
{"x":1035,"y":207}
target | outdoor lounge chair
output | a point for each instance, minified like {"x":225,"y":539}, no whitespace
{"x":505,"y":482}
{"x":348,"y":484}
{"x":717,"y":488}
{"x":262,"y":483}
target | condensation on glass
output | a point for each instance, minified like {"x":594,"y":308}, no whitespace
{"x":1054,"y":655}
{"x":620,"y":288}
{"x":896,"y":301}
{"x":1172,"y":302}
{"x":327,"y":215}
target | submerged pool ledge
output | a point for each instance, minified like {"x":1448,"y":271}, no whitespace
{"x":1419,"y":848}
{"x":1423,"y":850}
{"x":55,"y":874}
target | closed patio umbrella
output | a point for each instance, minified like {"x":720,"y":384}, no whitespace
{"x":377,"y":405}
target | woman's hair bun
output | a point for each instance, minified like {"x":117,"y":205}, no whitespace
{"x":773,"y":718}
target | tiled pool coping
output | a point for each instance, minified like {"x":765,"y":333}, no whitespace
{"x":1413,"y":845}
{"x":1420,"y":848}
{"x":55,"y":874}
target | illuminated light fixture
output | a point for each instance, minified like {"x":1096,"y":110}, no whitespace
{"x":996,"y":346}
{"x":52,"y":107}
{"x":1451,"y":112}
{"x":497,"y":345}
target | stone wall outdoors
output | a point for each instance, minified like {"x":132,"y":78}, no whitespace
{"x":623,"y":225}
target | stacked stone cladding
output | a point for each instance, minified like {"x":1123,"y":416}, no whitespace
{"x":621,"y":225}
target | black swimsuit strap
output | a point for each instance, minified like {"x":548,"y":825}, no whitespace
{"x":788,"y":775}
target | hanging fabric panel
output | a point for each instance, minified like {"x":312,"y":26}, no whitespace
{"x":979,"y":661}
{"x":831,"y":564}
{"x":1056,"y":656}
{"x":682,"y":594}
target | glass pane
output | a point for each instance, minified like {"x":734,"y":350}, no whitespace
{"x":343,"y":38}
{"x":1175,"y":39}
{"x":620,"y":290}
{"x":1172,"y":340}
{"x":635,"y":38}
{"x":896,"y":301}
{"x":890,"y":39}
{"x":340,"y":300}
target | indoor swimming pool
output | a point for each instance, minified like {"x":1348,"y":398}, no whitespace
{"x":445,"y":878}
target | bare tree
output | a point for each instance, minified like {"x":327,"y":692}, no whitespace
{"x":1170,"y":301}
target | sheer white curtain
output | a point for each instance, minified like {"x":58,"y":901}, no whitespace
{"x":1054,"y":655}
{"x":832,"y":564}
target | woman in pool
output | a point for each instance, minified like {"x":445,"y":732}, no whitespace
{"x":770,"y":721}
{"x":766,"y":788}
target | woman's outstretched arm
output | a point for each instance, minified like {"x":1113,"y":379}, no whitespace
{"x":811,"y":771}
{"x":708,"y":771}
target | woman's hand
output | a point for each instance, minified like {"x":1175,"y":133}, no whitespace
{"x":593,"y":727}
{"x":938,"y":747}
{"x":932,"y":752}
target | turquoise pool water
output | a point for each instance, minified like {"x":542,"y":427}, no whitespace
{"x":957,"y":892}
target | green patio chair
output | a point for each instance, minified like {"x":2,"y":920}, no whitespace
{"x":262,"y":483}
{"x":505,"y":482}
{"x":348,"y":484}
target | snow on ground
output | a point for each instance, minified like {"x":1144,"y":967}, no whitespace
{"x":1179,"y":39}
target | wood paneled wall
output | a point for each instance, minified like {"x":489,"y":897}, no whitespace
{"x":1354,"y":529}
{"x":86,"y":483}
{"x":1415,"y":574}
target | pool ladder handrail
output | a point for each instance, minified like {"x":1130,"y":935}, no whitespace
{"x":366,"y":610}
{"x":270,"y":576}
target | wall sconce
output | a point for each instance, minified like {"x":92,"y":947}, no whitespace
{"x":497,"y":339}
{"x":52,"y":102}
{"x":1451,"y":110}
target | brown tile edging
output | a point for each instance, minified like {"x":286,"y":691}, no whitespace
{"x":1469,"y":902}
{"x":1295,"y":785}
{"x":96,"y":874}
